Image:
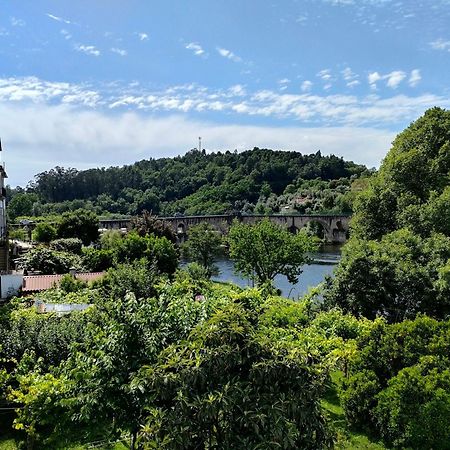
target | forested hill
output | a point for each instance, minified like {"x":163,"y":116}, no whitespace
{"x":197,"y":182}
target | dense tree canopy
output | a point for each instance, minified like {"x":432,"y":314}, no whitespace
{"x":397,"y":261}
{"x":195,"y":183}
{"x":264,"y":250}
{"x":412,"y":188}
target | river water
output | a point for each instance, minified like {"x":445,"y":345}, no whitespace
{"x":312,"y":274}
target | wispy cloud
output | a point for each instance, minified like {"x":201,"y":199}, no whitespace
{"x":306,"y":107}
{"x":373,"y":78}
{"x":395,"y":78}
{"x":143,"y":36}
{"x":66,"y":34}
{"x":15,"y":22}
{"x":196,"y":48}
{"x":414,"y":78}
{"x":119,"y":51}
{"x":58,"y":19}
{"x":306,"y":86}
{"x":350,"y":77}
{"x":87,"y":49}
{"x":440,"y":44}
{"x":228,"y":54}
{"x":52,"y":110}
{"x":325,"y":74}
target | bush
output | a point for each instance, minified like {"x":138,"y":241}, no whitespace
{"x":49,"y":261}
{"x":139,"y":277}
{"x":229,"y":387}
{"x":71,"y":245}
{"x":44,"y":232}
{"x":97,"y":260}
{"x":414,"y":410}
{"x":80,"y":224}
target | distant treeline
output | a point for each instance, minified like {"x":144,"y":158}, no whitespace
{"x":197,"y":182}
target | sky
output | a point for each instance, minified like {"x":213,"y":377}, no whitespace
{"x":106,"y":82}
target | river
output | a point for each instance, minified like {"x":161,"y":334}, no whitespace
{"x":312,"y":274}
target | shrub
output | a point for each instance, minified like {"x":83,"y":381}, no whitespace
{"x":414,"y":410}
{"x":44,"y":232}
{"x":71,"y":245}
{"x":49,"y":261}
{"x":97,"y":260}
{"x":80,"y":224}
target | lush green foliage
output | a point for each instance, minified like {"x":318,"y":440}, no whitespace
{"x":399,"y":383}
{"x":255,"y":180}
{"x":71,"y":245}
{"x":264,"y":250}
{"x":80,"y":224}
{"x":397,"y":261}
{"x":48,"y":261}
{"x":397,"y":277}
{"x":44,"y":232}
{"x":229,"y":387}
{"x":203,"y":246}
{"x":412,"y":187}
{"x":146,"y":224}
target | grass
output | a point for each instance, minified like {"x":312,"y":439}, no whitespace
{"x":347,"y":438}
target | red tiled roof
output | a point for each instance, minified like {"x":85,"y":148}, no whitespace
{"x":36,"y":283}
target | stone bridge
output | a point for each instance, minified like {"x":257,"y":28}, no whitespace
{"x":335,"y":228}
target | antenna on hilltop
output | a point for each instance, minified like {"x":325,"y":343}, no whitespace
{"x":200,"y":144}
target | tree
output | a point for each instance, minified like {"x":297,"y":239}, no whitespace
{"x":80,"y":224}
{"x":147,"y":223}
{"x":411,"y":179}
{"x":203,"y":246}
{"x":48,"y":261}
{"x":399,"y":383}
{"x":44,"y":232}
{"x":397,"y":277}
{"x":228,"y":386}
{"x":21,"y":205}
{"x":264,"y":250}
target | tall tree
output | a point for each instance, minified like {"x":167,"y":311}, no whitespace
{"x":264,"y":250}
{"x":203,"y":246}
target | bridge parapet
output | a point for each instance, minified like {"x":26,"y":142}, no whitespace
{"x":335,"y":227}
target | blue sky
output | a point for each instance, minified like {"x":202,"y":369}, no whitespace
{"x":99,"y":83}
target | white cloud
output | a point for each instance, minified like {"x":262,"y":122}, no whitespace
{"x":395,"y":78}
{"x":15,"y":22}
{"x":284,"y":81}
{"x":314,"y":109}
{"x":306,"y":86}
{"x":414,"y":78}
{"x":88,"y":49}
{"x":33,"y":137}
{"x":58,"y":19}
{"x":325,"y":74}
{"x":373,"y":78}
{"x":350,"y":77}
{"x":143,"y":36}
{"x":237,"y":90}
{"x":228,"y":54}
{"x":119,"y":51}
{"x":196,"y":48}
{"x":66,"y":34}
{"x":440,"y":44}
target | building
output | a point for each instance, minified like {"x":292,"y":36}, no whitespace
{"x":4,"y":244}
